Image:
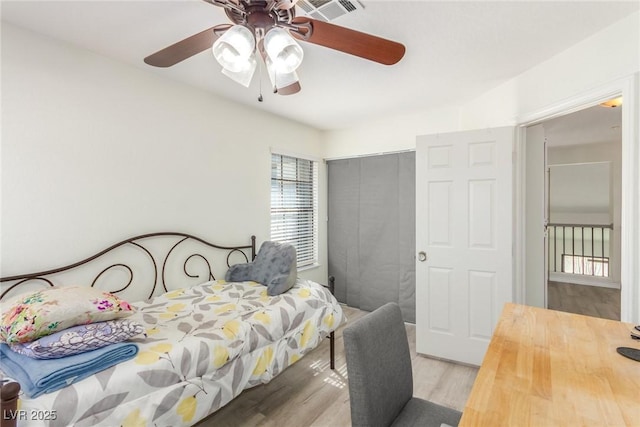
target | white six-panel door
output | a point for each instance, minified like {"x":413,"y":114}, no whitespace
{"x":464,"y":215}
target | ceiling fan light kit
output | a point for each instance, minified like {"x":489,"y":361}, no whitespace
{"x":280,"y":79}
{"x":245,"y":74}
{"x":234,"y":48}
{"x":284,"y":52}
{"x":270,"y":28}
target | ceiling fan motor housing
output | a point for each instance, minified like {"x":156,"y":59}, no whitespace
{"x":260,"y":14}
{"x":257,"y":18}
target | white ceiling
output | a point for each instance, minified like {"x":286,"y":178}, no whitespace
{"x":591,"y":125}
{"x":455,"y":50}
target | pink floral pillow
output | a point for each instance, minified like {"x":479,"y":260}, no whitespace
{"x":28,"y":317}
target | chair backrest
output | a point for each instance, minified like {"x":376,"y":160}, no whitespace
{"x":378,"y":366}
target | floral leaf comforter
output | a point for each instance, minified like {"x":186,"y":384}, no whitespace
{"x":204,"y":345}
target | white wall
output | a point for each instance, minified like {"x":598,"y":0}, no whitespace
{"x":580,"y":188}
{"x":581,"y":193}
{"x":534,"y":268}
{"x":393,"y":134}
{"x":95,"y":151}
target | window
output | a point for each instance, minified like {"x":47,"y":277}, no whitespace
{"x":294,"y":206}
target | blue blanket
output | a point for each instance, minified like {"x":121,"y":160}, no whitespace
{"x":38,"y":376}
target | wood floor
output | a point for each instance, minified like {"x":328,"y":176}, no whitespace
{"x":309,"y":393}
{"x":582,"y":299}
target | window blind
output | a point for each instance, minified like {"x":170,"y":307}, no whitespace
{"x":294,"y":205}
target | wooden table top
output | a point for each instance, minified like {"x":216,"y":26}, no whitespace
{"x":549,"y":368}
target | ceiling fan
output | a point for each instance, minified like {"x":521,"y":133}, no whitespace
{"x":270,"y":28}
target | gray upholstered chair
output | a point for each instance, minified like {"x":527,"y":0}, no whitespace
{"x":381,"y":378}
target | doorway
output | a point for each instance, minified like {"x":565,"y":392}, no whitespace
{"x":583,"y":211}
{"x":573,"y":212}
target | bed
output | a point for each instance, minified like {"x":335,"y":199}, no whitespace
{"x":206,"y":339}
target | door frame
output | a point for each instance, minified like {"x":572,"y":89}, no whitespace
{"x":630,"y":209}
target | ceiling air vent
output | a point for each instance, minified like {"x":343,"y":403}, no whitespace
{"x":328,"y":10}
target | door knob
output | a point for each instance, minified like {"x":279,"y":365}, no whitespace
{"x":422,"y":256}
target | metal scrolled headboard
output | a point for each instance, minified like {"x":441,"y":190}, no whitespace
{"x":141,"y":242}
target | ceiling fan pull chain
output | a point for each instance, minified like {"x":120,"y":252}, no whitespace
{"x":275,"y":79}
{"x":260,"y":82}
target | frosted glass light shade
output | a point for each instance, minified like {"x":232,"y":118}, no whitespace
{"x":280,"y":79}
{"x":233,"y":49}
{"x":283,"y":51}
{"x":245,"y":74}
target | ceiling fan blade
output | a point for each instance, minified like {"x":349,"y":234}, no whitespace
{"x":290,"y":89}
{"x":186,"y":48}
{"x":350,"y":41}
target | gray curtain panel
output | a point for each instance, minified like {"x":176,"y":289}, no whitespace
{"x":371,"y":233}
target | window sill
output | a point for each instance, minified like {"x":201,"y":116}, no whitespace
{"x":309,"y":267}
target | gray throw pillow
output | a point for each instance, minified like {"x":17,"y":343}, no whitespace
{"x":274,"y":266}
